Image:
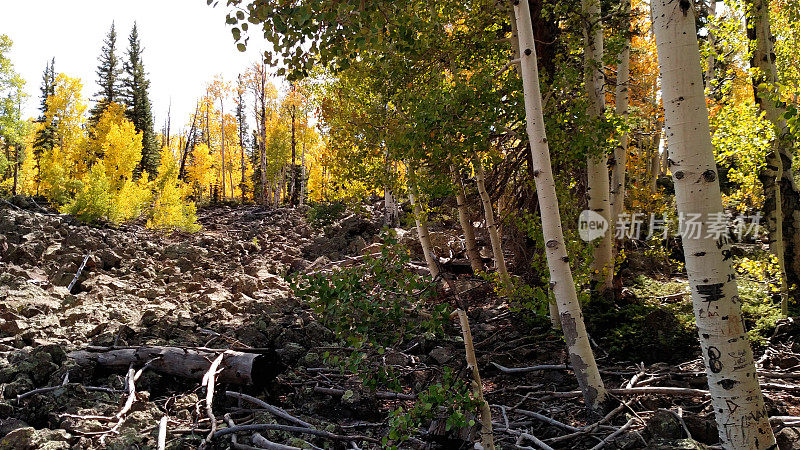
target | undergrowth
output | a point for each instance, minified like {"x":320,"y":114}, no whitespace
{"x":376,"y":307}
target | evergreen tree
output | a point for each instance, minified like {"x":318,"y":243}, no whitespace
{"x":45,"y":138}
{"x":137,"y":101}
{"x":108,"y":73}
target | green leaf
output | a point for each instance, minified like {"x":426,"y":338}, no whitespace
{"x":241,"y":47}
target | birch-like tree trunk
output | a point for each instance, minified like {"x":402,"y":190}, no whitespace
{"x":491,"y":226}
{"x":782,"y":197}
{"x":422,"y":224}
{"x":742,"y":420}
{"x":561,"y":282}
{"x":222,"y":138}
{"x":391,"y":215}
{"x":470,"y":245}
{"x":621,"y":96}
{"x":597,"y":165}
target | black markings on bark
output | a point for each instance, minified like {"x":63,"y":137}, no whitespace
{"x":565,"y":259}
{"x":528,"y":52}
{"x":700,"y":254}
{"x":552,"y":244}
{"x":679,"y":175}
{"x":714,"y":364}
{"x":710,"y":292}
{"x":727,"y":384}
{"x":709,"y":175}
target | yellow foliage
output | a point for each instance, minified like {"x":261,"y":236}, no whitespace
{"x":170,"y":207}
{"x":131,"y":200}
{"x":122,"y":151}
{"x":200,"y":172}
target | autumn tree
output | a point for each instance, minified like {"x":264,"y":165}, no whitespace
{"x":13,"y":129}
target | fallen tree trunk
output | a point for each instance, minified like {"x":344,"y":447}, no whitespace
{"x":236,"y":367}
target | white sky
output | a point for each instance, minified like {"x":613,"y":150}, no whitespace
{"x":186,"y":43}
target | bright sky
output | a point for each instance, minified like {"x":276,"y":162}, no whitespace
{"x":186,"y":43}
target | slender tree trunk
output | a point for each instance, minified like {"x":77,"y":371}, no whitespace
{"x":16,"y":169}
{"x":780,"y":191}
{"x":391,"y":215}
{"x":471,"y":246}
{"x":561,"y":282}
{"x":597,"y":165}
{"x":222,"y":137}
{"x":491,"y":227}
{"x":663,"y":150}
{"x":485,"y":414}
{"x":189,"y":138}
{"x":655,"y":162}
{"x":293,"y":180}
{"x":263,"y":150}
{"x":732,"y":381}
{"x":421,"y":220}
{"x":618,"y":168}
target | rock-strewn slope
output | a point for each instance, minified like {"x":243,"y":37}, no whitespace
{"x":222,"y":287}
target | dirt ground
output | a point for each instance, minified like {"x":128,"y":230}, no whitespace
{"x":225,"y":288}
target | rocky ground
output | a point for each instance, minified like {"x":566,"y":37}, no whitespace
{"x":225,"y":288}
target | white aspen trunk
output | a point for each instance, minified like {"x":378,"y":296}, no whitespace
{"x":561,"y":282}
{"x":655,"y":162}
{"x":663,"y":152}
{"x":618,"y":169}
{"x":276,"y":194}
{"x":473,"y":255}
{"x":422,"y":225}
{"x":485,"y":414}
{"x":391,"y":215}
{"x":777,"y":175}
{"x":742,"y":420}
{"x":552,"y":306}
{"x":222,"y":136}
{"x":597,"y":165}
{"x":491,"y":226}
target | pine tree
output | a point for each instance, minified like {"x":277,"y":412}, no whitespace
{"x":108,"y":73}
{"x":45,"y":138}
{"x":137,"y":101}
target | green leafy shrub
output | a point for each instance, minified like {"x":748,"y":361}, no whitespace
{"x":379,"y":302}
{"x":325,"y":213}
{"x":93,"y":201}
{"x":374,"y":307}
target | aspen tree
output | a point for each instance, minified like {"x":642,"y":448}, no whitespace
{"x":422,"y":223}
{"x":470,"y":245}
{"x":621,"y":96}
{"x":742,"y":420}
{"x":491,"y":226}
{"x":561,"y":282}
{"x":777,"y":176}
{"x":597,"y":165}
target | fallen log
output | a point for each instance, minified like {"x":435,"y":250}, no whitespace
{"x":236,"y":367}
